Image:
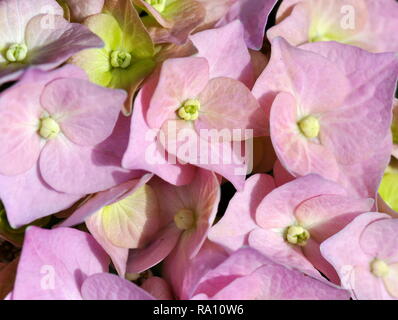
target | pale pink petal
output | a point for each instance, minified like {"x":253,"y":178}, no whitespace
{"x":27,"y":197}
{"x":184,"y":276}
{"x":294,"y":150}
{"x":273,"y":245}
{"x":180,"y":79}
{"x":312,"y":252}
{"x":86,"y":113}
{"x":144,"y":151}
{"x":142,"y":259}
{"x":343,"y":250}
{"x":278,"y":207}
{"x":50,"y":45}
{"x":105,"y":286}
{"x":228,"y":104}
{"x":103,"y":199}
{"x":379,"y":239}
{"x":325,"y":215}
{"x":118,"y":255}
{"x":239,"y":219}
{"x":75,"y":169}
{"x":55,"y":263}
{"x":158,"y":288}
{"x":82,"y":9}
{"x":15,"y":15}
{"x":254,"y":16}
{"x":19,"y":122}
{"x":210,"y":150}
{"x":225,"y":50}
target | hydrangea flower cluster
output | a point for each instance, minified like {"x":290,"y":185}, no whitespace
{"x":198,"y":149}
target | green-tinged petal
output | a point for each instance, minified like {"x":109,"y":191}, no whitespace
{"x":96,"y":63}
{"x":107,"y":28}
{"x":127,"y":78}
{"x":135,"y":38}
{"x":130,"y":222}
{"x":389,"y":189}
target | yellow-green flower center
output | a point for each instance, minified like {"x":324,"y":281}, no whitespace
{"x":120,"y":59}
{"x":185,"y":219}
{"x":189,"y":111}
{"x":379,"y":268}
{"x":297,"y":235}
{"x":159,"y":5}
{"x":49,"y":128}
{"x":309,"y":126}
{"x":16,"y":52}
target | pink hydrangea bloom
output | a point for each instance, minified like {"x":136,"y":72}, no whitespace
{"x":365,"y":256}
{"x":289,"y":223}
{"x":59,"y":133}
{"x":328,"y":115}
{"x":187,"y":103}
{"x":34,"y":33}
{"x":225,"y":59}
{"x":369,"y":24}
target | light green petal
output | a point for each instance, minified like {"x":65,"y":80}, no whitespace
{"x":96,"y":64}
{"x":389,"y":190}
{"x":107,"y":28}
{"x":135,"y":38}
{"x":127,"y":78}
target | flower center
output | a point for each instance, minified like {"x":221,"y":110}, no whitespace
{"x":379,"y":268}
{"x":185,"y":219}
{"x":309,"y":127}
{"x":120,"y":59}
{"x":297,"y":235}
{"x":16,"y":52}
{"x":159,"y":5}
{"x":189,"y":111}
{"x":49,"y":128}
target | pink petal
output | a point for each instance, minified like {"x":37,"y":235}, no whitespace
{"x":103,"y":199}
{"x":180,"y":79}
{"x":87,"y":113}
{"x":19,"y":122}
{"x":50,"y":46}
{"x":204,"y":150}
{"x":325,"y":215}
{"x":118,"y":255}
{"x":228,"y":104}
{"x":85,"y":169}
{"x":254,"y":16}
{"x":27,"y":197}
{"x":158,"y":288}
{"x":273,"y":245}
{"x":239,"y":219}
{"x":278,"y":207}
{"x":295,"y":152}
{"x":54,"y":264}
{"x":144,"y":151}
{"x":105,"y":286}
{"x":225,"y":50}
{"x":81,"y":10}
{"x":184,"y":275}
{"x":142,"y":259}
